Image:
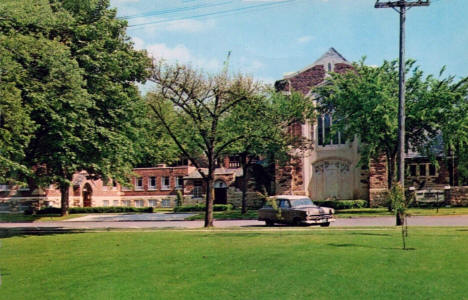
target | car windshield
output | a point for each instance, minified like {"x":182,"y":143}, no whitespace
{"x":302,"y":202}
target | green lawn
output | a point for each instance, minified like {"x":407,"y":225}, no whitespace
{"x":19,"y":217}
{"x":343,"y":213}
{"x":308,"y":263}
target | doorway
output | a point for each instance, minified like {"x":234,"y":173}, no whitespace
{"x":87,"y":195}
{"x":220,"y":188}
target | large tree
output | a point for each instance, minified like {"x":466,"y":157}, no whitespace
{"x":201,"y":104}
{"x":364,"y":102}
{"x":79,"y":86}
{"x":264,"y":124}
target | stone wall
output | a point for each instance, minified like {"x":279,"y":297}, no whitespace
{"x":378,"y":182}
{"x":459,"y":195}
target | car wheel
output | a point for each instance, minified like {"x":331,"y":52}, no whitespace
{"x":325,"y":224}
{"x":269,"y":223}
{"x":297,"y":222}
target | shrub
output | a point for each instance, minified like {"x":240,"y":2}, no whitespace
{"x":342,"y":204}
{"x":201,"y":207}
{"x":109,"y":209}
{"x":49,"y":211}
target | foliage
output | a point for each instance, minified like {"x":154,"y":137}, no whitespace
{"x":365,"y":104}
{"x":264,"y":124}
{"x":75,"y":73}
{"x":200,"y":207}
{"x":200,"y":104}
{"x":341,"y":204}
{"x":179,"y":198}
{"x":97,"y":209}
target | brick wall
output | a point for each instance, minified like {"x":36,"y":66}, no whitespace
{"x":459,"y":196}
{"x":378,"y":181}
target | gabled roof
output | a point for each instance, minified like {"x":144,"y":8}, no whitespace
{"x":331,"y":56}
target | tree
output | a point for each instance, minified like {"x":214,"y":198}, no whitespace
{"x":443,"y":108}
{"x":264,"y":124}
{"x":201,"y":103}
{"x":364,"y":103}
{"x":79,"y":86}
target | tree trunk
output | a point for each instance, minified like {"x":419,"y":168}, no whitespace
{"x":209,"y":200}
{"x":399,"y":219}
{"x":391,"y":166}
{"x":64,"y":197}
{"x":245,"y":178}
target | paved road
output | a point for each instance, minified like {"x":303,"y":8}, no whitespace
{"x":353,"y":222}
{"x":132,"y":217}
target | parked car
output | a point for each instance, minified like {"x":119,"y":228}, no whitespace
{"x":296,"y":210}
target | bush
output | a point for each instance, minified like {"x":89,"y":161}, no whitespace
{"x":109,"y":209}
{"x":49,"y":211}
{"x":342,"y":204}
{"x":201,"y":207}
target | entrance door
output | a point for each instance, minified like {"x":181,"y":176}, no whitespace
{"x":87,"y":195}
{"x":220,"y":188}
{"x":332,"y":179}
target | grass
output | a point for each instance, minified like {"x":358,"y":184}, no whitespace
{"x":343,"y":213}
{"x":376,"y":212}
{"x":20,"y":217}
{"x":237,"y":264}
{"x":227,"y":215}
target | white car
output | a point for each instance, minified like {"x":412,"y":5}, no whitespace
{"x":295,"y":210}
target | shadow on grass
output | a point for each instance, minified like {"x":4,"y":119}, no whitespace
{"x":28,"y":231}
{"x":349,"y":245}
{"x":372,"y":234}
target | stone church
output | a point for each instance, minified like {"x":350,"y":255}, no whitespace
{"x":329,"y":169}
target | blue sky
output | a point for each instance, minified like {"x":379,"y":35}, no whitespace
{"x":269,"y":38}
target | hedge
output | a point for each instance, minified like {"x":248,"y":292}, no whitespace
{"x":107,"y":209}
{"x":342,"y":204}
{"x":200,"y":207}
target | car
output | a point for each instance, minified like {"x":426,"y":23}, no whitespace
{"x":295,"y":210}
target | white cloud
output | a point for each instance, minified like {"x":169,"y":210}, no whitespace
{"x":115,"y":2}
{"x":305,"y":39}
{"x":138,"y":43}
{"x":181,"y":54}
{"x":189,"y":25}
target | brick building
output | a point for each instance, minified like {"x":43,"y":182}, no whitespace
{"x":330,"y":168}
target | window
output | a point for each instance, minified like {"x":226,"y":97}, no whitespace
{"x":284,"y":204}
{"x":324,"y":132}
{"x":329,"y":67}
{"x":139,"y":203}
{"x":412,"y":170}
{"x":179,"y":180}
{"x":126,"y":203}
{"x":432,"y":170}
{"x":422,"y":170}
{"x":165,"y":183}
{"x":105,"y":203}
{"x":152,"y":203}
{"x":166,"y":203}
{"x":115,"y":203}
{"x":197,"y":189}
{"x":152,"y":183}
{"x":139,"y":184}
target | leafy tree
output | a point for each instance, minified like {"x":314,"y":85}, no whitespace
{"x":364,"y":103}
{"x":442,"y":111}
{"x":16,"y":126}
{"x":263,"y":123}
{"x":79,"y":86}
{"x":201,"y":103}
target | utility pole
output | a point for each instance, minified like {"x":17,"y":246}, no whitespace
{"x":401,"y":7}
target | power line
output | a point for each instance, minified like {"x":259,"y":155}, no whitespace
{"x":218,"y":13}
{"x":401,"y":7}
{"x":175,"y":10}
